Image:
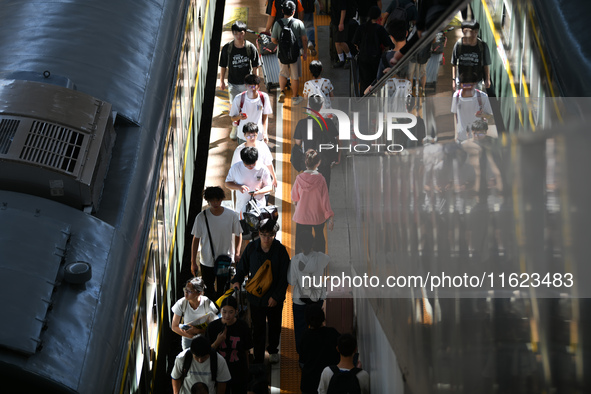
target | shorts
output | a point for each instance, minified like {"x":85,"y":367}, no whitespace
{"x":416,"y":70}
{"x":340,"y":36}
{"x":293,"y":70}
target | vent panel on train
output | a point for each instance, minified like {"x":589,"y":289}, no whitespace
{"x":7,"y":131}
{"x":53,"y":146}
{"x":55,"y":142}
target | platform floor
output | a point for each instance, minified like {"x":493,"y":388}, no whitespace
{"x":285,"y":376}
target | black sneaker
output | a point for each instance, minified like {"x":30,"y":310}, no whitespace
{"x":347,"y":64}
{"x":339,"y":64}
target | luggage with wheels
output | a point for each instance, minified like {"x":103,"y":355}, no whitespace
{"x":270,"y":65}
{"x":433,"y":71}
{"x":268,"y":59}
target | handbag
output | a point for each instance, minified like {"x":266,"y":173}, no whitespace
{"x":297,"y":159}
{"x":260,"y":283}
{"x":253,"y":215}
{"x":221,"y":264}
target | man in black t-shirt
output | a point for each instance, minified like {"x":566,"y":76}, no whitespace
{"x":369,"y":38}
{"x":471,"y":55}
{"x":239,"y":58}
{"x":341,"y":12}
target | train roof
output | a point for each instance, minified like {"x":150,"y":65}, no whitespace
{"x":44,"y":316}
{"x":106,"y":48}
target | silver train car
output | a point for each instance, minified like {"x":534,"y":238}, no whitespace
{"x":98,"y":140}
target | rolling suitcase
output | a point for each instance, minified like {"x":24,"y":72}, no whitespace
{"x":433,"y":71}
{"x":268,"y":59}
{"x":270,"y":65}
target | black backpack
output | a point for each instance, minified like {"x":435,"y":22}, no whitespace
{"x":289,"y":50}
{"x":344,"y":382}
{"x":213,"y":364}
{"x":297,"y":159}
{"x":399,"y":13}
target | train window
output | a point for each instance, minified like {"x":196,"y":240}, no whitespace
{"x":506,"y":21}
{"x":169,"y":197}
{"x":138,"y":346}
{"x":162,"y":228}
{"x":150,"y":291}
{"x":197,"y":33}
{"x":176,"y":135}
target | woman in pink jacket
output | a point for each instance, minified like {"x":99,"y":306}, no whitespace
{"x":310,"y":194}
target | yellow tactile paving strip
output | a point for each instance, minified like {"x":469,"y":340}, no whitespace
{"x":290,"y":373}
{"x":290,"y":370}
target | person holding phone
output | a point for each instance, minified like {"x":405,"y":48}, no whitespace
{"x":191,"y":307}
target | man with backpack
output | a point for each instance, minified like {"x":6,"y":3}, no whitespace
{"x":344,"y":377}
{"x":471,"y":55}
{"x":239,"y":58}
{"x":200,"y":363}
{"x":325,"y":134}
{"x":275,"y":12}
{"x":289,"y":34}
{"x":251,"y":106}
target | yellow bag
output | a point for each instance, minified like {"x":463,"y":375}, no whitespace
{"x":259,"y":284}
{"x":227,"y":294}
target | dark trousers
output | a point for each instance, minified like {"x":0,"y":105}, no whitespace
{"x":209,"y":278}
{"x":299,"y":322}
{"x":260,"y":315}
{"x":368,"y":68}
{"x":319,"y":244}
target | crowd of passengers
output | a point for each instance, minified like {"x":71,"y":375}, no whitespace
{"x":221,"y":352}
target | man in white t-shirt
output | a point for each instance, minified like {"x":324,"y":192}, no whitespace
{"x":222,"y":224}
{"x":265,"y":157}
{"x":469,"y":104}
{"x":200,"y":369}
{"x":248,"y":177}
{"x":253,"y":105}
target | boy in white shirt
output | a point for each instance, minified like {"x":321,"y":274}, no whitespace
{"x":469,"y":104}
{"x":251,"y":131}
{"x":249,"y":177}
{"x":253,"y":105}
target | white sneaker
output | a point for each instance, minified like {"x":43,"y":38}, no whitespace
{"x":297,"y":99}
{"x":274,"y":358}
{"x":233,"y":133}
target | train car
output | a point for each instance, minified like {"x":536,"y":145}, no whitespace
{"x":98,"y":140}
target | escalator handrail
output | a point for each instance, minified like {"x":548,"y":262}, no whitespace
{"x":427,"y":36}
{"x":354,"y":78}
